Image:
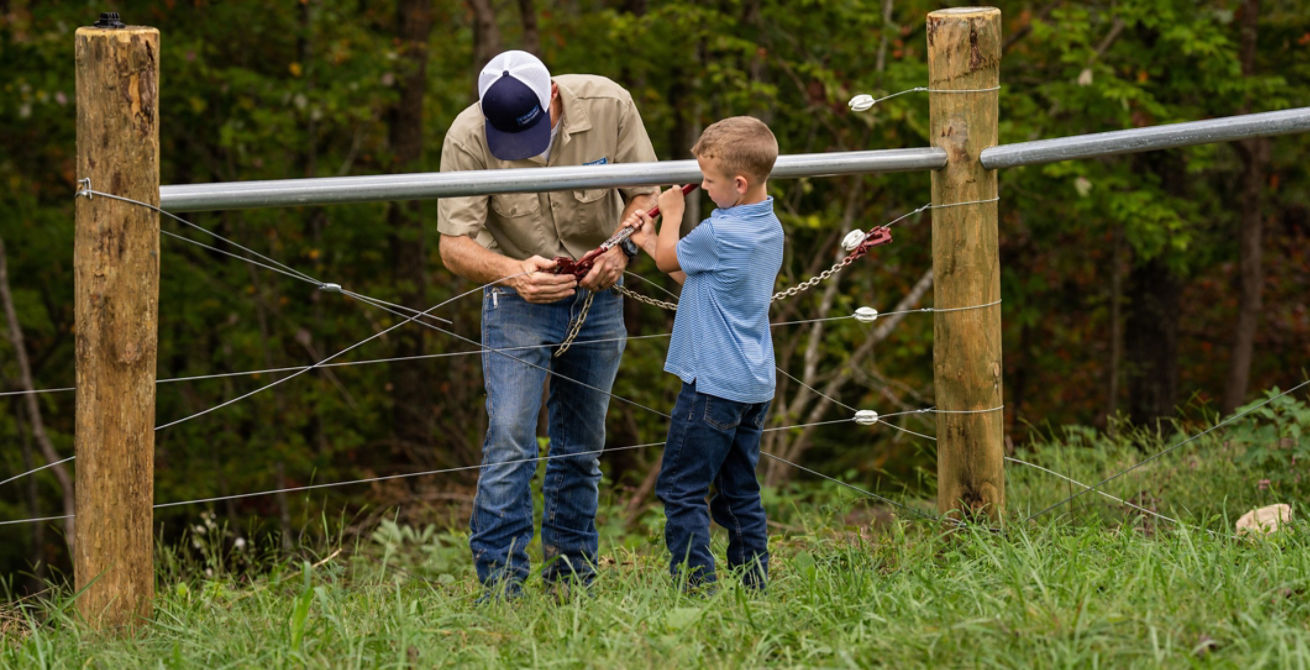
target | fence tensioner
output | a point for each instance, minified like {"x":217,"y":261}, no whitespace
{"x":858,"y":242}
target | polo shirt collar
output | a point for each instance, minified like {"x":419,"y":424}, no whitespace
{"x":762,"y":207}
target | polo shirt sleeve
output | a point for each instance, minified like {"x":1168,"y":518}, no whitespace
{"x":697,"y":252}
{"x":634,"y":145}
{"x":463,"y":215}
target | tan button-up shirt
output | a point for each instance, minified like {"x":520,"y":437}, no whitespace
{"x":599,"y":124}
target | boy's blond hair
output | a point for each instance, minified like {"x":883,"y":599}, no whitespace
{"x":741,"y":145}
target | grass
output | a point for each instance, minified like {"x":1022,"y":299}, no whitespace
{"x":1092,"y":584}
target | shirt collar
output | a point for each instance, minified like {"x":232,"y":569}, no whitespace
{"x":573,"y":118}
{"x":764,"y":206}
{"x":573,"y":114}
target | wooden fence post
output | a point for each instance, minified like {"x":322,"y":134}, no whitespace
{"x":964,"y":52}
{"x":116,"y":269}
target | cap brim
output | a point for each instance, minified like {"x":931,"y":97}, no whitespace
{"x":524,"y":144}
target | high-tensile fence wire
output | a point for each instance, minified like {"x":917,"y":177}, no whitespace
{"x":413,"y":315}
{"x":301,"y":192}
{"x":409,"y":315}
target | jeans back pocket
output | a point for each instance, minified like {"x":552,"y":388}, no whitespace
{"x":721,"y":414}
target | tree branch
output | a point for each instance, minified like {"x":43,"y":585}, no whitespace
{"x":33,"y":407}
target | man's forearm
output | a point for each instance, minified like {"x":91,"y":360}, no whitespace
{"x":470,"y":260}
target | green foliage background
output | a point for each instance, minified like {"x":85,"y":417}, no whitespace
{"x":280,"y":90}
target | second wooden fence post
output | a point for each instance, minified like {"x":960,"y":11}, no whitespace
{"x":964,"y":54}
{"x":116,"y":307}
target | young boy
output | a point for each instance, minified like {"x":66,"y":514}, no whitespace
{"x":723,"y":352}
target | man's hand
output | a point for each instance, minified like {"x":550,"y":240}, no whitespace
{"x":605,"y":270}
{"x":536,"y":285}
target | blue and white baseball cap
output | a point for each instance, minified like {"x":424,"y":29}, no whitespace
{"x":514,"y":91}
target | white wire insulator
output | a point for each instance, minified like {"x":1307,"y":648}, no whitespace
{"x":853,"y":239}
{"x":861,"y":103}
{"x":330,"y":288}
{"x":866,"y":417}
{"x":866,"y":315}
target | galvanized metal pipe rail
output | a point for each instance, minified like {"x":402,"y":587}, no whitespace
{"x":427,"y":185}
{"x":1169,"y":136}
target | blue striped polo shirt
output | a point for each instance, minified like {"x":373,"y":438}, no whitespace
{"x":721,"y":338}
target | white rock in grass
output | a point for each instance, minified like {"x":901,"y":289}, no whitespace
{"x":1264,"y":520}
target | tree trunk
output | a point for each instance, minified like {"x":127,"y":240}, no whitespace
{"x":411,"y":395}
{"x":37,"y":580}
{"x":1151,"y":342}
{"x":1254,"y":154}
{"x":486,"y":33}
{"x":791,"y":449}
{"x":531,"y":36}
{"x":1019,"y":378}
{"x":1114,"y":374}
{"x":30,"y":401}
{"x":305,"y":51}
{"x":266,"y":422}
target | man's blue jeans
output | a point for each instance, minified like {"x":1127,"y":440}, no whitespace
{"x":713,"y":441}
{"x":501,"y":526}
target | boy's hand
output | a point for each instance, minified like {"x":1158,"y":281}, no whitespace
{"x":672,"y":204}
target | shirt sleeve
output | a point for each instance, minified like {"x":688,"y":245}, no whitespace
{"x":634,"y":145}
{"x":697,"y":252}
{"x":463,"y":215}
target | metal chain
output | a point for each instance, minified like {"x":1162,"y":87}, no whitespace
{"x":780,"y":295}
{"x":872,"y":238}
{"x":577,"y":325}
{"x":642,"y":298}
{"x":815,"y":280}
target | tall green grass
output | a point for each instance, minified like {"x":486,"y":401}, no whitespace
{"x":1090,"y":584}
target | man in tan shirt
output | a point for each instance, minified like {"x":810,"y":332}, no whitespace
{"x":525,"y":118}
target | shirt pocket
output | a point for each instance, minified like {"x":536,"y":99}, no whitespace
{"x":515,"y":205}
{"x":590,"y":195}
{"x":593,"y":214}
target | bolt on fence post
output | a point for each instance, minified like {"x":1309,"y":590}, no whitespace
{"x":116,"y":306}
{"x":964,"y":53}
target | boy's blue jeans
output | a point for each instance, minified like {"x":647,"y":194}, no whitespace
{"x":501,"y":525}
{"x":713,"y":441}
